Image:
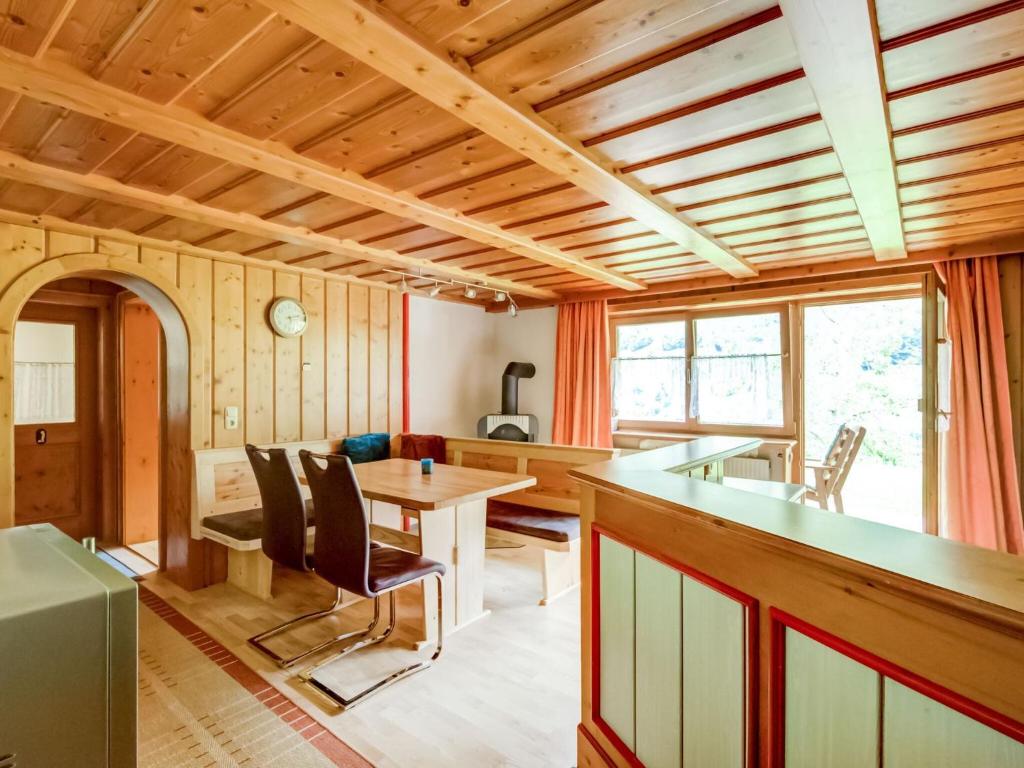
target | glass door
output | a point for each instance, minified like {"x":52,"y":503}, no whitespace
{"x":863,"y":367}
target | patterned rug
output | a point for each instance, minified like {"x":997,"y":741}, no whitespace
{"x":199,"y":705}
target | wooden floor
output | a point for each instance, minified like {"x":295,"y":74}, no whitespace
{"x":505,"y":692}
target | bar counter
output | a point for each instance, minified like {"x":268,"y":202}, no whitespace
{"x":724,"y":628}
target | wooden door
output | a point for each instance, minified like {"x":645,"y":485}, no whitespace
{"x":56,"y":404}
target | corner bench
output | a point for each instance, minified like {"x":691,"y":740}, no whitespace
{"x":227,"y":509}
{"x":545,"y":516}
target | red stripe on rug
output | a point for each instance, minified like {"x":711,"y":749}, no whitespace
{"x":329,"y":745}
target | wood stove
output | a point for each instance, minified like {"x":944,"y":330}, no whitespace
{"x":510,"y":424}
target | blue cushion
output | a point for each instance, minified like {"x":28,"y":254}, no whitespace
{"x":370,"y":447}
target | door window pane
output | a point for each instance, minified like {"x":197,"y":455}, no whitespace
{"x":44,"y":373}
{"x":737,"y":370}
{"x":649,"y":371}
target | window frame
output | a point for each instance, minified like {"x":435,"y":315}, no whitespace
{"x":689,"y":424}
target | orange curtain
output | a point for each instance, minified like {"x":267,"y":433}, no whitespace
{"x":982,"y":504}
{"x":583,"y":399}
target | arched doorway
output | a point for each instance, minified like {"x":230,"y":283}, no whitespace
{"x":183,"y":398}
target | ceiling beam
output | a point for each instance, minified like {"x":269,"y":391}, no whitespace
{"x":838,"y":47}
{"x":379,"y":39}
{"x":20,"y":169}
{"x":65,"y":86}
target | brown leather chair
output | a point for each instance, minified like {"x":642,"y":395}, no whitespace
{"x":286,"y":516}
{"x":345,"y":557}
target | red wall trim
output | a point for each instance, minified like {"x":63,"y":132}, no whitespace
{"x":405,"y":362}
{"x":780,"y":621}
{"x":751,"y":625}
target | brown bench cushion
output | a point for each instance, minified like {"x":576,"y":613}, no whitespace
{"x":246,"y":525}
{"x":530,"y":521}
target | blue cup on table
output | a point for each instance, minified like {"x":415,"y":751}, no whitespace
{"x":427,"y":466}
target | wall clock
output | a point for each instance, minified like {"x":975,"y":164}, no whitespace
{"x":288,"y":317}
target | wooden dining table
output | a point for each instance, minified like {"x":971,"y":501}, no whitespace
{"x":450,"y":505}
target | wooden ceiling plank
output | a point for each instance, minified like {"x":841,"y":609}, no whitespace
{"x":964,"y":20}
{"x":58,"y":84}
{"x":682,"y":49}
{"x":838,"y":47}
{"x":523,"y":34}
{"x":961,"y":77}
{"x":742,"y":92}
{"x":385,"y":43}
{"x":18,"y":168}
{"x":214,"y":63}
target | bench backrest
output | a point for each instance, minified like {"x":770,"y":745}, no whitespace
{"x":550,"y":464}
{"x":223,"y":480}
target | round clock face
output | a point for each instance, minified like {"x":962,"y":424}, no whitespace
{"x":288,"y":317}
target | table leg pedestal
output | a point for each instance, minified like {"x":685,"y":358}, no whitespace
{"x":454,"y":536}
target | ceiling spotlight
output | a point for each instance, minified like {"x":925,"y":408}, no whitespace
{"x":500,"y":296}
{"x":470,"y":292}
{"x":434,"y":289}
{"x":513,"y":310}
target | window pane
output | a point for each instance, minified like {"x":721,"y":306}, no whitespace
{"x":738,"y":335}
{"x":649,"y":389}
{"x":646,"y":340}
{"x":737,"y":390}
{"x":44,"y":373}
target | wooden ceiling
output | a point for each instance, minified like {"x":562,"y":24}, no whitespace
{"x":550,"y":148}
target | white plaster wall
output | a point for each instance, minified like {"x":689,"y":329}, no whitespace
{"x":456,"y":357}
{"x":529,"y":338}
{"x":449,"y":347}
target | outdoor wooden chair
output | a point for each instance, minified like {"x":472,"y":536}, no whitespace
{"x":831,"y":472}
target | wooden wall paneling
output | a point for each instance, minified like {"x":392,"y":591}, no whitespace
{"x":396,"y":375}
{"x":832,"y":708}
{"x":165,"y":262}
{"x":380,"y":314}
{"x":228,"y":352}
{"x":287,"y":370}
{"x":195,"y":279}
{"x":61,"y":244}
{"x":22,"y":247}
{"x":259,"y":357}
{"x":312,"y":368}
{"x":714,"y":678}
{"x":126,"y":250}
{"x":921,"y":731}
{"x":336,"y":361}
{"x":659,"y":670}
{"x":358,"y":359}
{"x":141,"y":418}
{"x":617,"y":671}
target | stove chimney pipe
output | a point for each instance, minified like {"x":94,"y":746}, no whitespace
{"x":510,"y":385}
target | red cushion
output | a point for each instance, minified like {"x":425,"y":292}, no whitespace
{"x":418,"y":447}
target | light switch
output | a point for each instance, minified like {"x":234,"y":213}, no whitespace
{"x":231,"y":417}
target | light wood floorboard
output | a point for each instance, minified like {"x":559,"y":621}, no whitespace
{"x":505,"y":692}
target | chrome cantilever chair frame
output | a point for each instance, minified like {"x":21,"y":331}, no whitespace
{"x":258,"y":641}
{"x":308,"y":675}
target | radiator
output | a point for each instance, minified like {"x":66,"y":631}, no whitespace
{"x":753,"y":469}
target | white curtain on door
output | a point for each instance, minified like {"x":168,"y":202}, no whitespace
{"x":44,"y":393}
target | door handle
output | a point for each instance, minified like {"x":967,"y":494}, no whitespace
{"x":40,"y":437}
